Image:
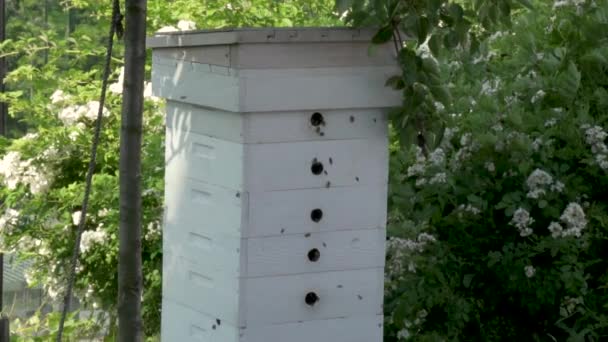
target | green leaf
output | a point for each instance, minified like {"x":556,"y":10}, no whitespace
{"x":384,"y":35}
{"x":395,"y":82}
{"x":466,"y":281}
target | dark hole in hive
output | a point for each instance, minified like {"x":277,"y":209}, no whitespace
{"x":316,"y":215}
{"x":317,"y":168}
{"x":311,"y":298}
{"x":314,"y":255}
{"x":317,"y":119}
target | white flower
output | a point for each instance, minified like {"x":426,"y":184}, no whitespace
{"x":439,"y":178}
{"x":470,"y":209}
{"x":186,"y":25}
{"x":58,"y":96}
{"x":76,"y":217}
{"x":72,"y":114}
{"x":538,"y":96}
{"x":537,"y":144}
{"x":166,"y":29}
{"x":574,"y":219}
{"x":530,"y":271}
{"x":537,"y":182}
{"x":437,"y":157}
{"x":556,"y":229}
{"x":490,"y":166}
{"x":421,"y":182}
{"x":117,"y":87}
{"x":439,"y":106}
{"x":522,"y":220}
{"x":550,"y":122}
{"x":103,"y":212}
{"x":558,"y":186}
{"x":9,"y":220}
{"x":90,"y":237}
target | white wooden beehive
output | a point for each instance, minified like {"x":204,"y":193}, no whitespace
{"x":276,"y":184}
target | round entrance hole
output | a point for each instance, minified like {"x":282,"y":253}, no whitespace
{"x":316,"y":215}
{"x":316,"y":119}
{"x":311,"y":298}
{"x":314,"y":255}
{"x":317,"y":168}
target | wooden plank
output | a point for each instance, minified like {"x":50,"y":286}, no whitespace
{"x":259,"y":90}
{"x":213,"y":123}
{"x":204,"y":209}
{"x":260,"y":35}
{"x":290,"y":166}
{"x":274,"y":300}
{"x":273,"y":127}
{"x":277,"y":213}
{"x":317,"y":89}
{"x":215,"y":55}
{"x":205,"y":159}
{"x":318,"y":252}
{"x":202,"y":285}
{"x":202,"y":84}
{"x":308,"y":55}
{"x":180,"y":323}
{"x":350,"y":329}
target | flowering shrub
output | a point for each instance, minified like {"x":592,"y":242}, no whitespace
{"x":498,"y":231}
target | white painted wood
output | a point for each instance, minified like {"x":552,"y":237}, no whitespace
{"x":273,"y":300}
{"x":275,"y":213}
{"x":204,"y":209}
{"x":273,"y":127}
{"x":213,"y":123}
{"x":317,"y":88}
{"x":307,"y":55}
{"x":350,"y":329}
{"x":206,"y":159}
{"x":202,"y":84}
{"x":199,"y":285}
{"x":287,"y":166}
{"x":257,"y":90}
{"x":338,"y":251}
{"x":182,"y":324}
{"x":259,"y":35}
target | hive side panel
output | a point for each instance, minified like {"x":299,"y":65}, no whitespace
{"x":316,"y":88}
{"x":214,"y":123}
{"x":282,"y":299}
{"x":186,"y":325}
{"x":352,"y":329}
{"x":318,"y":252}
{"x":277,"y":213}
{"x":316,"y":164}
{"x":200,"y":84}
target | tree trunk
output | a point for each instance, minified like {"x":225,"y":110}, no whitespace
{"x":130,"y":325}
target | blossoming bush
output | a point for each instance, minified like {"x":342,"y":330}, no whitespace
{"x":499,"y":231}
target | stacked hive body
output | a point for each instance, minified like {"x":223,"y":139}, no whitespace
{"x":276,"y":184}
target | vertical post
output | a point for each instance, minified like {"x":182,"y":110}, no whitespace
{"x":4,"y":323}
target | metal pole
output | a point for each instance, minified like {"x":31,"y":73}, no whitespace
{"x":4,"y":322}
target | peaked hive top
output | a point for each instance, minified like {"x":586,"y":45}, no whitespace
{"x":259,"y":35}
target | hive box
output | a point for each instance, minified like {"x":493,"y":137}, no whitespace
{"x":276,"y":184}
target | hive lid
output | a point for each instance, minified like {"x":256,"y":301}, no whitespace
{"x":259,"y":35}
